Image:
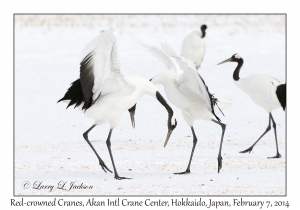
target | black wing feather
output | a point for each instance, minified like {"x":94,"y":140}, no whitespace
{"x":74,"y":94}
{"x":81,"y":90}
{"x":213,"y":100}
{"x":281,"y":95}
{"x":87,"y":80}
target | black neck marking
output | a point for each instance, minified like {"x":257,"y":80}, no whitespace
{"x":203,"y":28}
{"x":236,"y":72}
{"x":203,"y":33}
{"x":166,"y":105}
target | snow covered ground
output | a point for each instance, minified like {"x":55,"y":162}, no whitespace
{"x":49,"y":146}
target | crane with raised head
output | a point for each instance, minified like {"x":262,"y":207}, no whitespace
{"x":265,"y":91}
{"x":194,"y":46}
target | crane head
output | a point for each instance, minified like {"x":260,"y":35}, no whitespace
{"x":203,"y":27}
{"x":235,"y":58}
{"x":172,"y":123}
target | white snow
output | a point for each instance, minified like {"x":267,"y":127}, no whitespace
{"x":49,"y":145}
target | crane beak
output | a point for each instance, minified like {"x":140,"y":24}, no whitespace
{"x":228,"y":60}
{"x":168,"y":136}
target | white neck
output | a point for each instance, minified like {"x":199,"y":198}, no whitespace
{"x":162,"y":78}
{"x":144,"y":86}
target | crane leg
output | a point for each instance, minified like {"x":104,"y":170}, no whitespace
{"x":221,"y":143}
{"x":108,"y":143}
{"x":187,"y":171}
{"x":267,"y":130}
{"x":101,"y":162}
{"x":274,"y":126}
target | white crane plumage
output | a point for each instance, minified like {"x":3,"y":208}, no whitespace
{"x":193,"y":46}
{"x":185,"y":88}
{"x":266,"y":91}
{"x":104,"y":91}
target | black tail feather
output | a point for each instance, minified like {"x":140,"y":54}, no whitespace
{"x":281,"y":95}
{"x":74,"y":94}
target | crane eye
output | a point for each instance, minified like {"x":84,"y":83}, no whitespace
{"x":174,"y":125}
